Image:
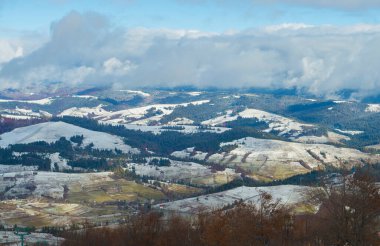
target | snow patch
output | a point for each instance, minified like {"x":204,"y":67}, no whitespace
{"x":141,"y":93}
{"x":195,"y":93}
{"x":45,"y":101}
{"x":287,"y":194}
{"x":136,"y":116}
{"x":350,"y":132}
{"x":373,"y":108}
{"x":24,"y":114}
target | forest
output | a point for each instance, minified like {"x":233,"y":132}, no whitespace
{"x":169,"y":141}
{"x":36,"y":154}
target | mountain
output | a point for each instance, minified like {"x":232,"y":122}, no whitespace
{"x":102,"y":155}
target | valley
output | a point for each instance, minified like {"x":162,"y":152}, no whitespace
{"x":101,"y":158}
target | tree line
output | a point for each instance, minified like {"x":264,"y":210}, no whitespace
{"x":348,"y":215}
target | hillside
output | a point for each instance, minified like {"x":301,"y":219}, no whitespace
{"x":53,"y":131}
{"x":106,"y":155}
{"x":274,"y":159}
{"x":287,"y":194}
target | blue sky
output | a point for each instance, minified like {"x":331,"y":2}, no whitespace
{"x":205,"y":15}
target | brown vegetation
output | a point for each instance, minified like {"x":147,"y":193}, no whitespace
{"x":348,"y":215}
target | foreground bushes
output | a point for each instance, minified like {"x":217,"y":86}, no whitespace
{"x":349,"y":215}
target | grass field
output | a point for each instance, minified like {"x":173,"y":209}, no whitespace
{"x":116,"y":190}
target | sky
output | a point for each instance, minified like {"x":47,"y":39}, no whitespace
{"x":321,"y":47}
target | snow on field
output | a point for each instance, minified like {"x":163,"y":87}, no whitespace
{"x":221,"y":119}
{"x":185,"y":129}
{"x":84,"y":112}
{"x":350,"y":132}
{"x":190,"y":153}
{"x":331,"y":137}
{"x":53,"y":131}
{"x":55,"y":158}
{"x":374,"y":147}
{"x":141,"y":93}
{"x":16,"y":168}
{"x":24,"y":114}
{"x":15,"y":117}
{"x":180,"y":121}
{"x":373,"y":108}
{"x":45,"y":101}
{"x":181,"y":171}
{"x":341,"y":101}
{"x":71,"y":178}
{"x":49,"y":184}
{"x":138,"y":116}
{"x":280,"y":150}
{"x":195,"y":93}
{"x":288,"y":194}
{"x":160,"y":110}
{"x":274,"y":159}
{"x":276,"y":122}
{"x":176,"y":171}
{"x":85,"y":96}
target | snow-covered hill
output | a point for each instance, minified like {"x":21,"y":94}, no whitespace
{"x":137,"y":116}
{"x":24,"y":114}
{"x":273,"y":159}
{"x":53,"y":131}
{"x":188,"y":172}
{"x":288,"y":194}
{"x":278,"y":124}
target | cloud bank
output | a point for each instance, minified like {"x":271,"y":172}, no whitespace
{"x":345,"y":5}
{"x":85,"y":49}
{"x":337,"y":4}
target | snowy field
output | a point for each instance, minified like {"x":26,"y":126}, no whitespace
{"x":16,"y":168}
{"x":24,"y":114}
{"x":53,"y":131}
{"x":276,"y":159}
{"x":189,"y":172}
{"x":288,"y":194}
{"x":46,"y":184}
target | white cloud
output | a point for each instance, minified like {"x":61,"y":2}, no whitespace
{"x":287,"y":26}
{"x":339,"y":4}
{"x":9,"y":51}
{"x":346,"y":5}
{"x":85,"y":49}
{"x":114,"y":66}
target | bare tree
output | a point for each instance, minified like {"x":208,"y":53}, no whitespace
{"x":349,"y":212}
